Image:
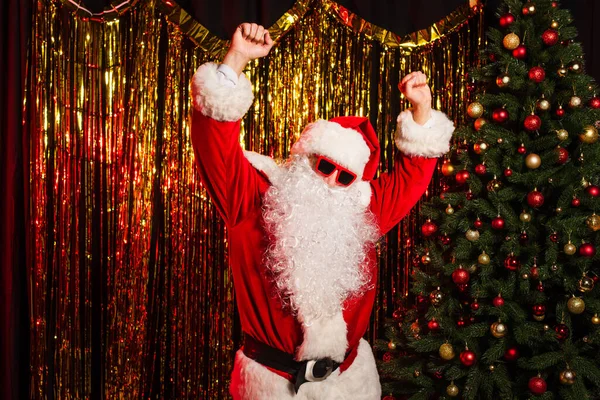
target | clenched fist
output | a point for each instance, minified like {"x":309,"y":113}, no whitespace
{"x":414,"y":87}
{"x":249,"y":41}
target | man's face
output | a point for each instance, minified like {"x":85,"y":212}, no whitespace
{"x":332,"y":173}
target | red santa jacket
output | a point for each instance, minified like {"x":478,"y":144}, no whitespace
{"x":236,"y":188}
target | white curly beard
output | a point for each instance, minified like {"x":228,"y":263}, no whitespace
{"x":320,"y":236}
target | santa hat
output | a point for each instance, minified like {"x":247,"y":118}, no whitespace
{"x":349,"y":141}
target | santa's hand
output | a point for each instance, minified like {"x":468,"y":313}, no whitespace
{"x":249,"y":41}
{"x":414,"y":87}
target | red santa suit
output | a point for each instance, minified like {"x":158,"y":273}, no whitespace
{"x":237,"y":182}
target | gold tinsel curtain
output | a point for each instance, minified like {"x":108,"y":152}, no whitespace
{"x":129,"y":286}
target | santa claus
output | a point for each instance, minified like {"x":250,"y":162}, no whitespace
{"x":302,"y":234}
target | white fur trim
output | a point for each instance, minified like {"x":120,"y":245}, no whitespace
{"x":219,"y":101}
{"x":263,"y":163}
{"x":365,"y":190}
{"x":429,"y":140}
{"x":252,"y":381}
{"x":343,"y":145}
{"x":324,"y":337}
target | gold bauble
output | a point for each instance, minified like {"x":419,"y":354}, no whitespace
{"x":593,"y":222}
{"x":511,"y":41}
{"x":472,"y":235}
{"x":479,"y":123}
{"x":585,"y":284}
{"x":554,"y":24}
{"x":472,"y":268}
{"x":570,"y":248}
{"x":562,"y":134}
{"x":584,"y":183}
{"x":562,"y":71}
{"x":483,"y":259}
{"x":498,"y":329}
{"x":539,"y":317}
{"x":436,"y":297}
{"x":525,"y":217}
{"x":546,"y":327}
{"x":576,"y":305}
{"x":589,"y":134}
{"x":492,"y":368}
{"x":596,"y":319}
{"x":426,"y":259}
{"x":494,"y":185}
{"x":543,"y":104}
{"x":447,"y":168}
{"x":533,"y":161}
{"x":576,"y":67}
{"x":503,"y":80}
{"x":391,"y":345}
{"x":449,"y":210}
{"x":525,"y":276}
{"x":575,"y":101}
{"x":417,"y":373}
{"x":452,"y":390}
{"x":446,"y":351}
{"x":567,"y":377}
{"x":475,"y":109}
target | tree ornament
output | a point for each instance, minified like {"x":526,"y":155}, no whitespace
{"x":399,"y":314}
{"x":570,"y":248}
{"x":500,"y":115}
{"x":462,"y":176}
{"x":447,"y":168}
{"x":494,"y":185}
{"x":503,"y":80}
{"x":387,"y":357}
{"x":575,"y":202}
{"x":508,"y":172}
{"x":472,"y":268}
{"x":523,"y":238}
{"x":468,"y":357}
{"x":525,"y":217}
{"x":576,"y":67}
{"x":540,"y":286}
{"x":469,"y":195}
{"x":460,"y":275}
{"x":511,"y":354}
{"x":475,"y":305}
{"x":461,"y":322}
{"x":452,"y":390}
{"x":529,"y":8}
{"x":479,"y":123}
{"x":595,"y":102}
{"x":472,"y":235}
{"x":389,"y":397}
{"x":506,"y":20}
{"x":426,"y":259}
{"x":562,"y":71}
{"x":537,"y":385}
{"x":554,"y":24}
{"x":576,"y":305}
{"x":498,"y":329}
{"x":433,"y":325}
{"x":483,"y":259}
{"x":475,"y":109}
{"x":537,"y":74}
{"x":593,"y":190}
{"x":593,"y":222}
{"x":449,"y":210}
{"x":535,"y":198}
{"x":550,"y":37}
{"x":543,"y":104}
{"x":480,"y":169}
{"x":498,"y":301}
{"x":538,"y":310}
{"x":596,"y":319}
{"x":498,"y":223}
{"x":429,"y":228}
{"x":532,"y":122}
{"x":480,"y":147}
{"x":391,"y":345}
{"x":560,"y":111}
{"x":446,"y":240}
{"x":562,"y":134}
{"x":520,"y":52}
{"x":589,"y":134}
{"x":585,"y":284}
{"x":587,"y":250}
{"x":512,"y":263}
{"x":535,"y":271}
{"x":567,"y":376}
{"x":533,"y":161}
{"x":511,"y":41}
{"x":554,"y":237}
{"x":525,"y":276}
{"x":436,"y":297}
{"x":446,"y":351}
{"x":562,"y":332}
{"x":417,"y":373}
{"x":562,"y":155}
{"x":575,"y":101}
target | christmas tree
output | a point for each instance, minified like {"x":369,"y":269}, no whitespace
{"x":507,"y":305}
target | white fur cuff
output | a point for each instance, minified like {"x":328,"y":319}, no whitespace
{"x":219,"y":101}
{"x":429,"y":140}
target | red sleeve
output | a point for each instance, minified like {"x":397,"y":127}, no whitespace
{"x":396,"y":192}
{"x":233,"y":184}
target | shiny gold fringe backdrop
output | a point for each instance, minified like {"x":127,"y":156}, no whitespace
{"x":130,"y":291}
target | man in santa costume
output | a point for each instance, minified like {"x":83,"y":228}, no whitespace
{"x":302,"y":234}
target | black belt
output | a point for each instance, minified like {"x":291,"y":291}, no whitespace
{"x":302,"y":371}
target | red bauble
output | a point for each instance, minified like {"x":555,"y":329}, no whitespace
{"x":506,"y":20}
{"x":498,"y":223}
{"x":462,"y":176}
{"x":554,"y":237}
{"x":587,"y":250}
{"x":537,"y":385}
{"x":532,"y":122}
{"x":460,"y":276}
{"x":535,"y":199}
{"x":522,"y":149}
{"x":560,"y":111}
{"x":508,"y":172}
{"x":387,"y":357}
{"x":478,"y":223}
{"x":520,"y":52}
{"x":468,"y":358}
{"x":470,"y":195}
{"x":463,"y":287}
{"x":389,"y":397}
{"x":575,"y":202}
{"x":446,"y":240}
{"x":540,"y":287}
{"x":498,"y":301}
{"x":500,"y":115}
{"x":511,"y":354}
{"x":429,"y":228}
{"x":479,"y":123}
{"x":539,"y":310}
{"x":480,"y":169}
{"x":593,"y":190}
{"x":512,"y":263}
{"x":461,"y":322}
{"x":475,"y":306}
{"x":563,"y":155}
{"x":535,"y":272}
{"x":433,"y":325}
{"x":523,"y":238}
{"x":595,"y":102}
{"x":537,"y":74}
{"x":550,"y":37}
{"x":562,"y":331}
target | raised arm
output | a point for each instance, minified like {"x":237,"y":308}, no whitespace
{"x":221,"y":97}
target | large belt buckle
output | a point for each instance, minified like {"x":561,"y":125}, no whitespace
{"x":314,"y":371}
